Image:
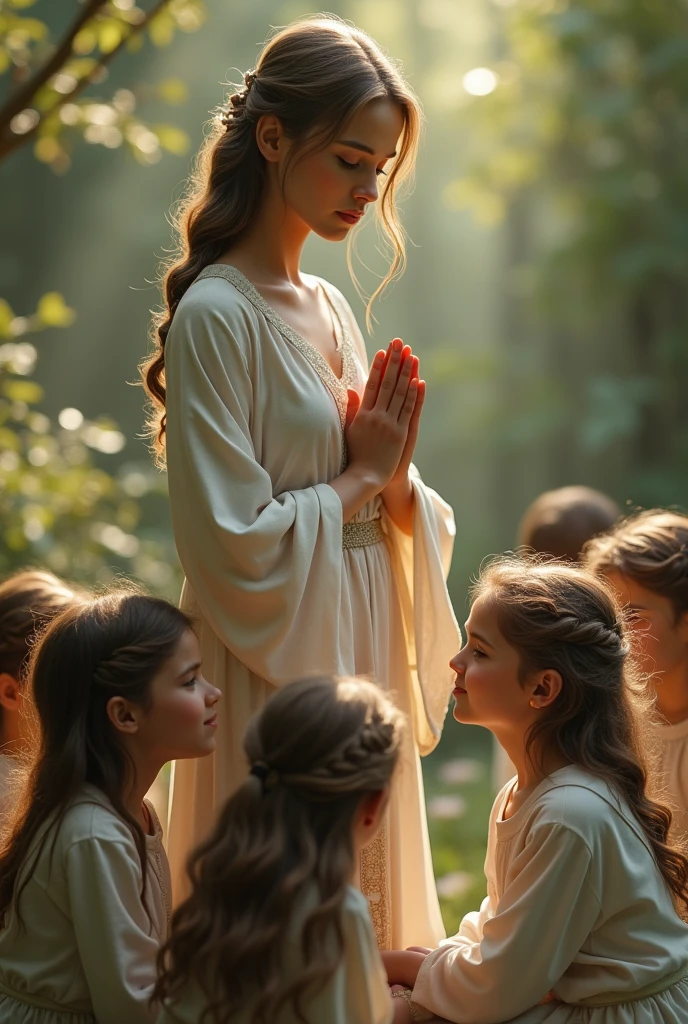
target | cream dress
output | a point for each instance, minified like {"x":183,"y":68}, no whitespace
{"x":576,"y":906}
{"x":254,"y":433}
{"x":357,"y":993}
{"x":88,"y":949}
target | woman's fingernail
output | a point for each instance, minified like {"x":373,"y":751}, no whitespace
{"x":397,"y":344}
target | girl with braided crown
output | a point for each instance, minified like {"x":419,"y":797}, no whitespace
{"x":84,"y":882}
{"x":308,"y":541}
{"x":273,"y":931}
{"x":581,"y":922}
{"x":645,"y":558}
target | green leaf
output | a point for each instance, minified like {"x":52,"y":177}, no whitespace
{"x":5,"y":61}
{"x":19,"y":4}
{"x":161,"y":29}
{"x":22,"y":391}
{"x":110,"y":35}
{"x":54,"y":312}
{"x":32,"y":28}
{"x":171,"y":138}
{"x":6,"y":318}
{"x":173,"y":90}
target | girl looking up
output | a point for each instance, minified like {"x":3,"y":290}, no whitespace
{"x":645,"y":558}
{"x":273,"y":930}
{"x":580,"y":924}
{"x":308,"y":541}
{"x":84,"y":882}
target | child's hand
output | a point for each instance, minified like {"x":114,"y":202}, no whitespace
{"x":402,"y":966}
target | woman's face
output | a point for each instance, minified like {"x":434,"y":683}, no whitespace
{"x":330,"y":190}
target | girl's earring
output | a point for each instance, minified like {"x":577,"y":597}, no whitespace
{"x":534,"y":705}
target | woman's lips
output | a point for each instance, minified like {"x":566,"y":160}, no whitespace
{"x":212,"y":722}
{"x":457,"y":690}
{"x":349,"y":218}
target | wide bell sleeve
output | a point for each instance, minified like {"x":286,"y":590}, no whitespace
{"x":265,"y":568}
{"x":507,"y":959}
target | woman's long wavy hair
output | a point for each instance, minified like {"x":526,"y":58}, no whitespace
{"x":95,"y":650}
{"x":562,"y":617}
{"x":314,"y":76}
{"x":321,"y":745}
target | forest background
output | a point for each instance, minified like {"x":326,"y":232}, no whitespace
{"x":545,"y":290}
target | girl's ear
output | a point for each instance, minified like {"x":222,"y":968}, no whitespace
{"x":123,"y":714}
{"x":9,"y":692}
{"x":545,"y":688}
{"x":270,"y":137}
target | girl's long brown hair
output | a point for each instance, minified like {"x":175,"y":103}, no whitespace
{"x":110,"y":646}
{"x":561,"y":617}
{"x":321,"y":745}
{"x":314,"y":76}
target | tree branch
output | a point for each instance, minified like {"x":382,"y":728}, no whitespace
{"x":11,"y":142}
{"x":21,"y":98}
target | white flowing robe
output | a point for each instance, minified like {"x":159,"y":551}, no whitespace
{"x":254,"y":433}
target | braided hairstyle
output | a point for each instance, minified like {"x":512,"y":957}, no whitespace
{"x":559,"y":616}
{"x":97,"y":649}
{"x":316,"y":749}
{"x":650,"y":548}
{"x":314,"y":75}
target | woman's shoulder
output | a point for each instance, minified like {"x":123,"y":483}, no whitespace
{"x":214,"y":300}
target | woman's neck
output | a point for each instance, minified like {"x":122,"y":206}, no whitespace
{"x":269,"y":252}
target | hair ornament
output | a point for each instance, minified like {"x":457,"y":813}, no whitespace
{"x":237,"y":101}
{"x":267,"y":775}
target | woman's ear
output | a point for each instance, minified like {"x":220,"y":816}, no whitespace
{"x":270,"y":138}
{"x":123,"y":715}
{"x":9,"y":692}
{"x":544,"y":689}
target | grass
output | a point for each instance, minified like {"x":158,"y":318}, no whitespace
{"x":459,"y":796}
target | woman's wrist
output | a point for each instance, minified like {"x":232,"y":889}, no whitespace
{"x":356,"y":486}
{"x":399,"y":500}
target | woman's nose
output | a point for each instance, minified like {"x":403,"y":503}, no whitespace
{"x":367,"y":191}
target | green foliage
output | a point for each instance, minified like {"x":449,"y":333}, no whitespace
{"x":59,"y":507}
{"x":53,"y":114}
{"x":581,"y":151}
{"x":59,"y":504}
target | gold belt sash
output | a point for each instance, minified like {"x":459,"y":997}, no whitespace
{"x":362,"y":534}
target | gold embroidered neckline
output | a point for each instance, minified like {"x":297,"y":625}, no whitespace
{"x":337,"y":386}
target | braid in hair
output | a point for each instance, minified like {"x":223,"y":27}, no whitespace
{"x":561,"y":617}
{"x":283,"y":842}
